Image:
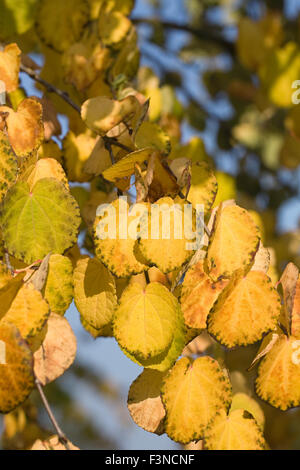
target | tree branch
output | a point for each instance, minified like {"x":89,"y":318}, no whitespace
{"x":60,"y":433}
{"x":202,"y":34}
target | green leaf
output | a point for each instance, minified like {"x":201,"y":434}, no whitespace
{"x":35,"y":223}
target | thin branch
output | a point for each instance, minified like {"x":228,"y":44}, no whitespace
{"x":202,"y":34}
{"x":62,"y":437}
{"x":53,"y":89}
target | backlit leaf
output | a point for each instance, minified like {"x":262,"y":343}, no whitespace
{"x":234,"y":229}
{"x":238,"y":431}
{"x":246,"y":309}
{"x":278,"y":380}
{"x":94,"y":292}
{"x":198,"y":295}
{"x":8,"y":165}
{"x":35,"y":223}
{"x":9,"y":66}
{"x":24,"y":127}
{"x":192,"y":393}
{"x":16,"y":375}
{"x":58,"y":289}
{"x":60,"y":24}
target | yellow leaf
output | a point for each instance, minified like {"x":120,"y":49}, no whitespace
{"x":145,"y":322}
{"x":125,"y":166}
{"x":53,"y":443}
{"x":61,"y":24}
{"x":28,"y":311}
{"x":242,"y":401}
{"x":16,"y":374}
{"x":113,"y":27}
{"x":44,"y":168}
{"x":226,"y":188}
{"x":94,"y":292}
{"x":238,"y":431}
{"x":8,"y":165}
{"x":101,"y":114}
{"x":278,"y":380}
{"x":57,"y":352}
{"x":198,"y":295}
{"x":246,"y":309}
{"x":99,"y":160}
{"x":144,"y":401}
{"x":117,"y":253}
{"x":58,"y":289}
{"x":277,"y":73}
{"x":167,"y":249}
{"x":203,"y":187}
{"x":24,"y":127}
{"x":105,"y":332}
{"x":235,"y":230}
{"x":151,"y":135}
{"x":83,"y":62}
{"x":77,"y":150}
{"x":50,"y":149}
{"x":192,"y":393}
{"x":10,"y":59}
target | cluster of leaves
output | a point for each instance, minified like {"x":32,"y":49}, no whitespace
{"x":125,"y":134}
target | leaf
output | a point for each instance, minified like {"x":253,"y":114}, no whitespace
{"x":278,"y":72}
{"x":203,"y":187}
{"x":8,"y":290}
{"x":57,"y":352}
{"x":105,"y":332}
{"x":24,"y":127}
{"x":125,"y":166}
{"x":84,"y":61}
{"x":234,"y":229}
{"x":113,"y":27}
{"x":16,"y":18}
{"x":198,"y":295}
{"x":99,"y":160}
{"x":144,"y":402}
{"x":35,"y":223}
{"x":151,"y":135}
{"x":279,"y":374}
{"x":39,"y":277}
{"x":44,"y":168}
{"x":28,"y":311}
{"x":262,"y":259}
{"x":77,"y":150}
{"x":61,"y":24}
{"x":16,"y":375}
{"x":247,"y":308}
{"x":10,"y":66}
{"x":116,"y":253}
{"x":101,"y":114}
{"x":53,"y":443}
{"x":266,"y":346}
{"x":94,"y":292}
{"x":145,"y":321}
{"x":58,"y":289}
{"x":242,"y":401}
{"x":290,"y":282}
{"x":192,"y":393}
{"x":238,"y":431}
{"x":8,"y":165}
{"x":167,"y":248}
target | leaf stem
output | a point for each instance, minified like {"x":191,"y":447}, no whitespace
{"x":62,"y":437}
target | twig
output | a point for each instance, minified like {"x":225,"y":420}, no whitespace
{"x":60,"y":433}
{"x":147,"y":277}
{"x":63,"y":94}
{"x":202,"y":34}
